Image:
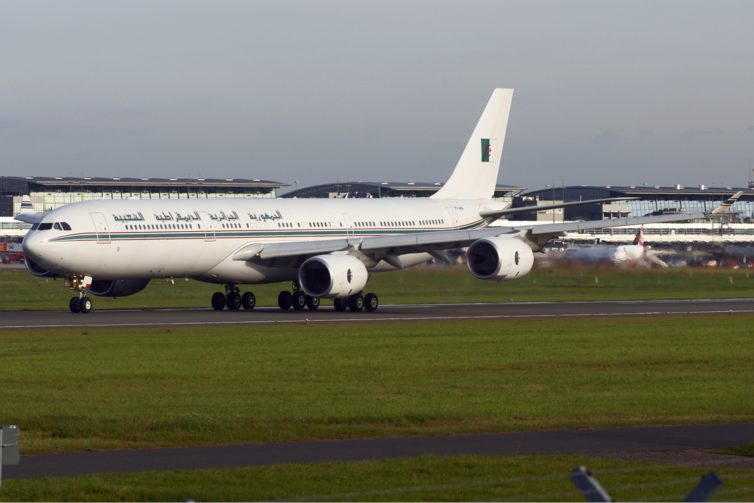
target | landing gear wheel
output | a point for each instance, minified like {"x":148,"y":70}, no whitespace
{"x":285,"y":299}
{"x":86,"y":305}
{"x":340,"y":304}
{"x":371,"y":302}
{"x":312,"y":302}
{"x":74,"y":305}
{"x":218,"y":301}
{"x":299,"y":301}
{"x":233,"y":301}
{"x":356,"y":303}
{"x":248,"y":301}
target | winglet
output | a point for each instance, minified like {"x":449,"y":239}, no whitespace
{"x":725,"y":207}
{"x":26,"y":213}
{"x":26,"y":206}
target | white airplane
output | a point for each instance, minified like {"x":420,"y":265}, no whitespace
{"x":634,"y":253}
{"x":326,"y":247}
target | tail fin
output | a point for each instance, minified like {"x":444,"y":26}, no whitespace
{"x":725,"y":207}
{"x":475,"y":175}
{"x":639,"y":239}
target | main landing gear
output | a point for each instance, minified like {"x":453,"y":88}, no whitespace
{"x":80,"y":303}
{"x":297,"y":299}
{"x":233,"y":299}
{"x":357,"y":303}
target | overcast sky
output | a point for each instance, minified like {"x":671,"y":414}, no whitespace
{"x":630,"y":92}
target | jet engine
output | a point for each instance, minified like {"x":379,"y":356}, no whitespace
{"x":38,"y":270}
{"x":332,"y":276}
{"x":118,"y":287}
{"x":499,"y":258}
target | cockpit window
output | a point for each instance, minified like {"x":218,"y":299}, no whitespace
{"x":45,"y":226}
{"x":34,"y":226}
{"x":65,"y":226}
{"x":57,"y":226}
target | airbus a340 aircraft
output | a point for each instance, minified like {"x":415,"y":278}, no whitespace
{"x":326,"y":247}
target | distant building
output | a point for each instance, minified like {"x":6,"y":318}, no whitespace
{"x":48,"y":193}
{"x":639,"y":200}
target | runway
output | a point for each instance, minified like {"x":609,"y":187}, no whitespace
{"x":607,"y":441}
{"x":406,"y":312}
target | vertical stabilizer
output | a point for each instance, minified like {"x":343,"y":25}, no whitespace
{"x":475,"y":175}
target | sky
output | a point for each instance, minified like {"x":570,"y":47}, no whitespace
{"x":307,"y":92}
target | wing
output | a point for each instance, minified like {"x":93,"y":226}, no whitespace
{"x":494,"y":214}
{"x":293,"y":253}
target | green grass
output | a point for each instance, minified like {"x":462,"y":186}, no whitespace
{"x":20,"y":290}
{"x":72,"y":389}
{"x":540,"y":478}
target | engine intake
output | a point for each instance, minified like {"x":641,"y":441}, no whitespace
{"x":499,"y":258}
{"x":117,"y":287}
{"x":38,"y":270}
{"x":332,"y":276}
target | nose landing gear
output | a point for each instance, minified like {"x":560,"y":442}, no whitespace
{"x":79,"y":303}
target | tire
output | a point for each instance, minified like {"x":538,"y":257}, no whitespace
{"x":233,"y":301}
{"x":340,"y":304}
{"x":299,"y":301}
{"x":86,"y":305}
{"x":312,"y":303}
{"x":371,"y":302}
{"x":356,"y":303}
{"x":218,"y":301}
{"x":248,"y":301}
{"x":74,"y":305}
{"x":285,"y":299}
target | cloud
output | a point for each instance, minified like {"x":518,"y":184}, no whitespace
{"x":700,"y":133}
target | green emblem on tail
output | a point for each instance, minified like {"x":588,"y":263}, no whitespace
{"x":486,"y":150}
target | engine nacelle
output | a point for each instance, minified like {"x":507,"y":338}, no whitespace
{"x":38,"y":270}
{"x":332,"y":276}
{"x":499,"y":258}
{"x":117,"y":287}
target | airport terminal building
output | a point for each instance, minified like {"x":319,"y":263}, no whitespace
{"x":48,"y":193}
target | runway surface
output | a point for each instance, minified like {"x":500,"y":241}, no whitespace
{"x":407,"y":312}
{"x":608,"y":441}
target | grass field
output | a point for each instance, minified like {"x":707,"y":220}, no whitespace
{"x":77,"y":389}
{"x":531,"y":478}
{"x":108,"y":389}
{"x":21,"y":290}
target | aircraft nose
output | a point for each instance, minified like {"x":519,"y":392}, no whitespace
{"x":33,"y":246}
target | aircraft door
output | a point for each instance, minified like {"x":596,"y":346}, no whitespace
{"x":452,"y":215}
{"x":345,"y":220}
{"x":209,"y":225}
{"x":101,"y":227}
